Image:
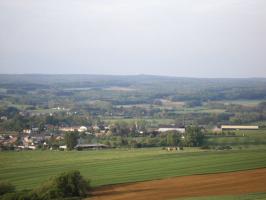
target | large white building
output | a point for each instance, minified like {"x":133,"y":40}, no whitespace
{"x":181,"y":130}
{"x":238,"y":127}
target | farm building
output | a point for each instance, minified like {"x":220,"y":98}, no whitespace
{"x":90,"y":146}
{"x":181,"y":130}
{"x":237,"y":127}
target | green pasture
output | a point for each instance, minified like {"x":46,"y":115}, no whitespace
{"x":26,"y":169}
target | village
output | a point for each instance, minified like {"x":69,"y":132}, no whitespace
{"x":53,"y":138}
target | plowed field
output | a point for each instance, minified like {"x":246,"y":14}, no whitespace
{"x":233,"y":183}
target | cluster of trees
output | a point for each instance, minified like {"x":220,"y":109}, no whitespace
{"x":67,"y":186}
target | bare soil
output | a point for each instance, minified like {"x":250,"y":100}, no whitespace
{"x":233,"y":183}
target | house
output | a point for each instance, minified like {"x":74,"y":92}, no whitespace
{"x":162,"y":130}
{"x":216,"y":129}
{"x":32,"y":147}
{"x":238,"y":127}
{"x":90,"y":146}
{"x":64,"y":147}
{"x":68,"y":129}
{"x":3,"y":118}
{"x":27,"y":141}
{"x":82,"y":129}
{"x":27,"y":131}
{"x":73,"y":128}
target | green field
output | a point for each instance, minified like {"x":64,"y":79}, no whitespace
{"x":27,"y":169}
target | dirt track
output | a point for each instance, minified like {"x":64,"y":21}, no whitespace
{"x":232,"y":183}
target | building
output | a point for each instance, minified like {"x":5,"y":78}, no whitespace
{"x":68,"y":129}
{"x":238,"y":127}
{"x":3,"y":118}
{"x":162,"y":130}
{"x":27,"y":131}
{"x":82,"y":129}
{"x":64,"y":147}
{"x":73,"y":128}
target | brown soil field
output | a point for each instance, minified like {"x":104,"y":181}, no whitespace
{"x":232,"y":183}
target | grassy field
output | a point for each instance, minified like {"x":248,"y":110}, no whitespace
{"x":27,"y":169}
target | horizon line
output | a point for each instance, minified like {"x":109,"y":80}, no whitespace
{"x":155,"y":75}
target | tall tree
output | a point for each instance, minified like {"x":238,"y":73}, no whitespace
{"x":71,"y":140}
{"x":194,"y":136}
{"x":173,"y":138}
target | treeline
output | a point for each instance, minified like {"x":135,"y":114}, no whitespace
{"x":73,"y":89}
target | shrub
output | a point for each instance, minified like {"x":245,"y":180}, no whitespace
{"x":68,"y":184}
{"x":6,"y":187}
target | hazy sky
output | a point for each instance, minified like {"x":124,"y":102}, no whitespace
{"x":195,"y":38}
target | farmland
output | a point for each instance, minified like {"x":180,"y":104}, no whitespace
{"x":126,"y":113}
{"x":26,"y":169}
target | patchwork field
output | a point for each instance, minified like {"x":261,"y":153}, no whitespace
{"x":27,"y":169}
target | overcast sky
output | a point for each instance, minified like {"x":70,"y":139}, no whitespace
{"x":194,"y":38}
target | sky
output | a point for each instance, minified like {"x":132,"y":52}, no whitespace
{"x":184,"y":38}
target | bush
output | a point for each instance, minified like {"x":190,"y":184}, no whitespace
{"x":6,"y":187}
{"x":68,"y":184}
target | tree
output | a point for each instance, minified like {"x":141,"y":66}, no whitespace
{"x":67,"y":184}
{"x":71,"y":140}
{"x":173,"y":138}
{"x":194,"y":136}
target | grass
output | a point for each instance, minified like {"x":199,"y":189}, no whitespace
{"x":27,"y":169}
{"x":253,"y":196}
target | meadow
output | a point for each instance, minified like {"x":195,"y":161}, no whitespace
{"x":26,"y":169}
